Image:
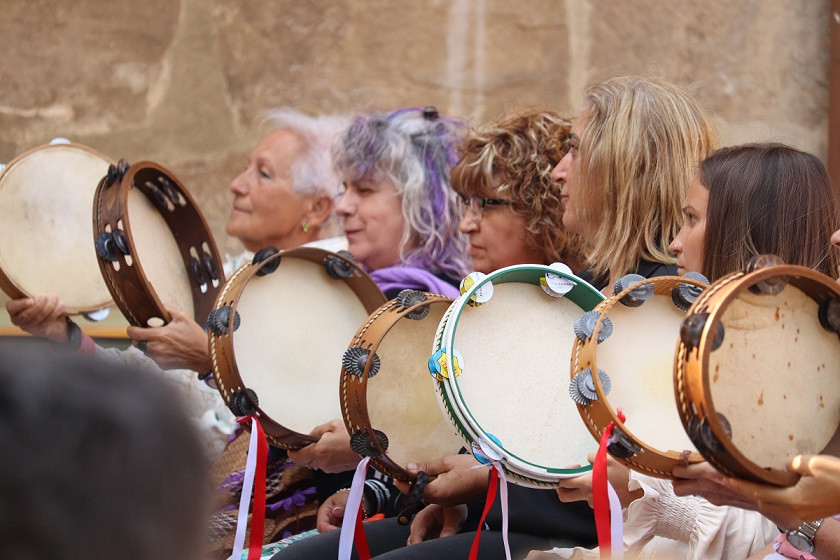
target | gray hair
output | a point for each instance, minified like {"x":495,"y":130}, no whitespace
{"x":415,"y":149}
{"x":313,"y":172}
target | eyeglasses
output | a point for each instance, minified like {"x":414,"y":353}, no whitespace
{"x":477,"y":204}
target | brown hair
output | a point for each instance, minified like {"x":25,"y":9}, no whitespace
{"x":639,"y":148}
{"x":767,"y":198}
{"x":513,"y":157}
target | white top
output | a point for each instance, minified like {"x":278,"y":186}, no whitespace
{"x":663,"y":525}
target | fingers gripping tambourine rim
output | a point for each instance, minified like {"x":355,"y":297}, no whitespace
{"x":229,"y":380}
{"x":692,"y":377}
{"x":584,"y":296}
{"x":124,"y":273}
{"x":600,"y":412}
{"x":354,"y":387}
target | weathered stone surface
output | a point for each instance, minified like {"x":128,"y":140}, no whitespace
{"x":184,"y":82}
{"x":80,"y":67}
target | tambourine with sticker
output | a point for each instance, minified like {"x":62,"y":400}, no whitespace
{"x":46,"y":197}
{"x":757,"y":370}
{"x":500,"y":359}
{"x":633,"y":354}
{"x":154,"y":246}
{"x":389,"y":356}
{"x":278,"y":332}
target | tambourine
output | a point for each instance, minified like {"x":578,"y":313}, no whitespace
{"x":633,"y":355}
{"x":500,"y":359}
{"x":154,"y":246}
{"x":757,"y":370}
{"x":46,"y":196}
{"x":388,"y":403}
{"x":277,"y":335}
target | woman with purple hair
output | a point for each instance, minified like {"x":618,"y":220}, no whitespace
{"x":396,"y":206}
{"x":400,"y":216}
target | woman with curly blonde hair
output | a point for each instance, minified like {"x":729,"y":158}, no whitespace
{"x":512,"y":208}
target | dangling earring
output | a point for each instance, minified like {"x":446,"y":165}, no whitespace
{"x":305,"y":228}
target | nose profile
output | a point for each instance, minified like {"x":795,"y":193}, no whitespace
{"x":676,"y":245}
{"x":239,"y":184}
{"x":469,"y":223}
{"x":559,"y":172}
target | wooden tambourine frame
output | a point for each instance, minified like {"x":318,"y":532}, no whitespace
{"x":409,"y":306}
{"x":115,"y":243}
{"x":224,"y":321}
{"x":691,"y":368}
{"x":599,"y":413}
{"x":10,"y":282}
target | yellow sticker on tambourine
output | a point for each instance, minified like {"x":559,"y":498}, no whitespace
{"x":482,"y":294}
{"x":437,"y":364}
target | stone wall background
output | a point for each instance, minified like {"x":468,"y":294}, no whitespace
{"x":183,"y":82}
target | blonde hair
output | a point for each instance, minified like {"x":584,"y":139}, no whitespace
{"x":513,"y":157}
{"x":640,"y":146}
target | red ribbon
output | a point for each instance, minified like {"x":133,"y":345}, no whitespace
{"x":600,"y":495}
{"x":491,"y":497}
{"x":258,"y":510}
{"x":359,"y":537}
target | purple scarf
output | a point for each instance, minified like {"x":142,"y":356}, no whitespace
{"x":404,"y":277}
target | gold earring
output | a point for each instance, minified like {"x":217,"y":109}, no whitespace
{"x":305,"y":228}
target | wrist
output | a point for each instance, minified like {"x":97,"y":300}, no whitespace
{"x":68,"y":335}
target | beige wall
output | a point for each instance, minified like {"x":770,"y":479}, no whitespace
{"x":184,"y":82}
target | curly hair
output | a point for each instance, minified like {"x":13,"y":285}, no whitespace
{"x":414,"y":148}
{"x":513,"y":157}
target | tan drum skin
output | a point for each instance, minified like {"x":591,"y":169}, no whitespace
{"x":305,"y":329}
{"x":172,"y":259}
{"x":649,"y":459}
{"x":789,"y":407}
{"x":46,"y":197}
{"x":399,"y":400}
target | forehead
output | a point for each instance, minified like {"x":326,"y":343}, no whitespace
{"x":580,"y":123}
{"x":278,"y":145}
{"x":697,"y":195}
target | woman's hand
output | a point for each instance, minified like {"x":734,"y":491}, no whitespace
{"x":42,"y":316}
{"x":453,"y":480}
{"x":814,"y":496}
{"x":331,"y":513}
{"x":331,"y":453}
{"x":180,"y":344}
{"x":435,"y":521}
{"x":579,"y":488}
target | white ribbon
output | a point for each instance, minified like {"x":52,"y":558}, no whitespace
{"x":247,"y":489}
{"x":616,"y":524}
{"x":351,"y":511}
{"x":503,"y":497}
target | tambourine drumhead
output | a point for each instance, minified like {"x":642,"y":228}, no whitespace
{"x":157,"y":250}
{"x":513,"y":352}
{"x":776,"y":377}
{"x":290,"y":331}
{"x":46,"y":233}
{"x":154,"y":246}
{"x":640,"y":353}
{"x":636,"y":356}
{"x":400,"y":400}
{"x":757,"y":375}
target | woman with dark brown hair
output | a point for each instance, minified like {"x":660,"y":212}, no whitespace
{"x":757,"y":199}
{"x":746,"y":201}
